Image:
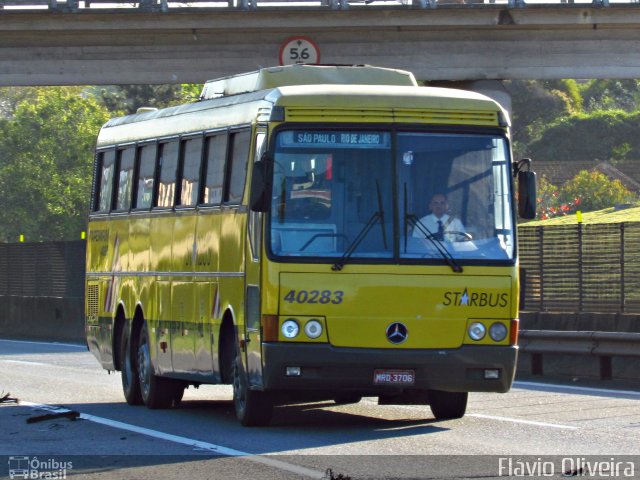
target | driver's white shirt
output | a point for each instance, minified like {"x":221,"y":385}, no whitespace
{"x":450,"y":224}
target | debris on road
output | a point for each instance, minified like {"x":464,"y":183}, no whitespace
{"x":329,"y":475}
{"x":71,"y":415}
{"x":7,"y":398}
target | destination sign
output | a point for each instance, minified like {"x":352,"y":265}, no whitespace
{"x":347,"y":139}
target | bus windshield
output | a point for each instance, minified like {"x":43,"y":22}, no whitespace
{"x":405,"y":195}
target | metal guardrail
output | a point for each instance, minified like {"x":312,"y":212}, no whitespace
{"x":611,"y":344}
{"x":603,"y":345}
{"x":168,"y":5}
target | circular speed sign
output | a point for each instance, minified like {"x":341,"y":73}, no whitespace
{"x":299,"y":50}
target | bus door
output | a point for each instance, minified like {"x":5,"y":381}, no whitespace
{"x":253,"y":359}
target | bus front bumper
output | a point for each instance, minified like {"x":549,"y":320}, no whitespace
{"x":328,"y":368}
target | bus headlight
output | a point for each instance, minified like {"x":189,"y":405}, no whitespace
{"x":477,"y":331}
{"x":498,"y":332}
{"x":313,"y":329}
{"x":290,"y":328}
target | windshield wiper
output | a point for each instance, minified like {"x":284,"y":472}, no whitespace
{"x":412,"y":219}
{"x":377,"y":216}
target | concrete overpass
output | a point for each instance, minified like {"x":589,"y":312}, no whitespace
{"x":451,"y":42}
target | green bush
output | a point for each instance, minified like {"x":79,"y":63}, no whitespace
{"x":601,"y":135}
{"x":595,"y":190}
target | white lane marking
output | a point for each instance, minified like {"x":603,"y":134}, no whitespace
{"x":491,"y":417}
{"x":526,"y":422}
{"x":54,"y":344}
{"x":190,"y":442}
{"x":575,"y":388}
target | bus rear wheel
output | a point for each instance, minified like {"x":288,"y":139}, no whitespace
{"x":253,"y":408}
{"x":156,"y":392}
{"x":129,"y":372}
{"x":448,"y":405}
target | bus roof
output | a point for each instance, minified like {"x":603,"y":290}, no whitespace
{"x":323,"y":102}
{"x":268,"y":78}
{"x":381,"y":96}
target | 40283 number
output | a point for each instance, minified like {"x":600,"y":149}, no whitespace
{"x":314,"y":296}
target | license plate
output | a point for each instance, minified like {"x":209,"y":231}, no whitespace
{"x":394,"y":377}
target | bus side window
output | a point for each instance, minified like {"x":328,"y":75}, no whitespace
{"x":190,"y":186}
{"x":146,"y":175}
{"x":168,"y":171}
{"x":126,"y":159}
{"x":214,"y":169}
{"x":237,"y":169}
{"x":107,"y":166}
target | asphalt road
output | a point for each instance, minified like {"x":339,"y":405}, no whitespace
{"x":536,"y":428}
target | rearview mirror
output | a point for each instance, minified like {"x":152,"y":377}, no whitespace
{"x":527,"y":194}
{"x":260,"y":194}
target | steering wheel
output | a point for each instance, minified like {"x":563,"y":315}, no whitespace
{"x":467,"y":236}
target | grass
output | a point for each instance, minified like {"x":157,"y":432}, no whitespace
{"x":608,"y":215}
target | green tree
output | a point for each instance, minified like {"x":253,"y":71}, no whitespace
{"x":611,"y":95}
{"x":601,"y":135}
{"x":10,"y":97}
{"x":46,"y":157}
{"x":126,"y":99}
{"x":596,"y":191}
{"x":535,"y":104}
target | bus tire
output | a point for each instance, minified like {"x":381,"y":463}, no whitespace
{"x":448,"y":405}
{"x":178,"y":393}
{"x":156,"y":392}
{"x":253,"y":408}
{"x":129,"y":370}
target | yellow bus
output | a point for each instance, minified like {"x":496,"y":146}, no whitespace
{"x":275,"y":236}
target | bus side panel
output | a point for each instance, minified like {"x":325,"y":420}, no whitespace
{"x":161,"y":232}
{"x":232,"y":237}
{"x":139,"y":244}
{"x":162,"y":335}
{"x":204,"y":334}
{"x":207,"y":243}
{"x":183,"y":331}
{"x":184,"y":320}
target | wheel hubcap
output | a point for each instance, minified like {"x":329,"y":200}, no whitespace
{"x":238,"y":388}
{"x":144,"y":367}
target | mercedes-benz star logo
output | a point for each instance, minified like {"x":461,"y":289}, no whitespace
{"x":397,"y":333}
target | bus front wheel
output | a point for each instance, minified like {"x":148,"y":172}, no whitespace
{"x":448,"y":405}
{"x":253,"y":408}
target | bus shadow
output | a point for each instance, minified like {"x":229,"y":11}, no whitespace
{"x":296,"y":432}
{"x":316,"y":425}
{"x":293,"y":427}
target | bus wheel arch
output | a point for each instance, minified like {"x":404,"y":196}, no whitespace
{"x":119,"y":324}
{"x":226,"y":347}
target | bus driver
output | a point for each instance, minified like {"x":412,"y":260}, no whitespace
{"x":442,"y":225}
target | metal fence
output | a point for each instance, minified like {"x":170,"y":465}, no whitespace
{"x":48,"y":269}
{"x":565,"y":268}
{"x":169,"y":5}
{"x":581,"y":268}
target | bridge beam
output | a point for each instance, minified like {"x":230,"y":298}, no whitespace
{"x":447,"y":43}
